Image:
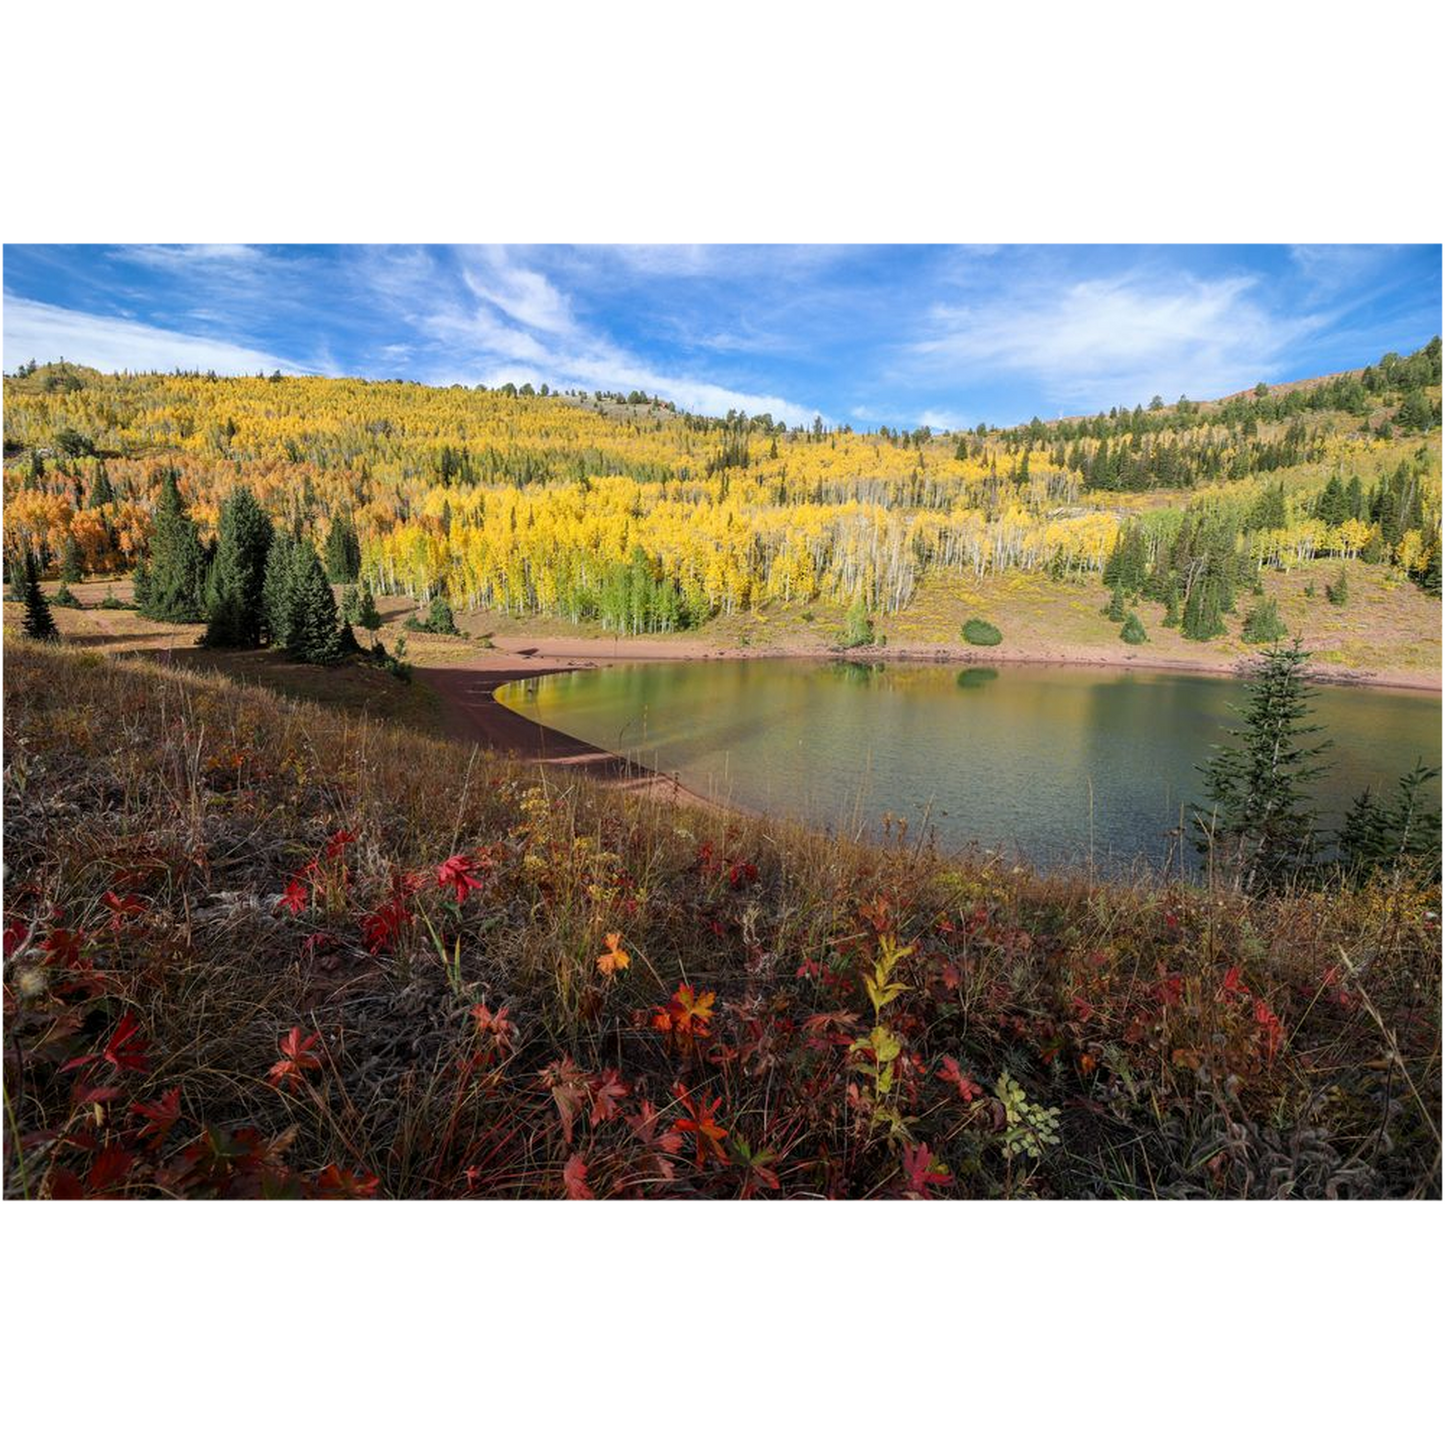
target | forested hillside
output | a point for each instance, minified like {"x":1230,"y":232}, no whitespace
{"x":625,"y":512}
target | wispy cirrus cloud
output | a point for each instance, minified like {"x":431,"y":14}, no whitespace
{"x":498,"y":319}
{"x":34,"y":329}
{"x":1107,"y":340}
{"x":177,"y":258}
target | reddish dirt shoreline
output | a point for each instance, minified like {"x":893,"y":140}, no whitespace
{"x":473,"y":714}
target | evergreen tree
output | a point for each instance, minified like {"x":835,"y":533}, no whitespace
{"x":358,"y":607}
{"x":278,"y":587}
{"x":1333,"y":506}
{"x":1404,"y":833}
{"x":39,"y":624}
{"x":1262,"y":624}
{"x":101,"y":493}
{"x":1338,"y":591}
{"x":236,"y":590}
{"x":70,"y":561}
{"x":1354,"y":499}
{"x":312,"y":634}
{"x":140,"y":586}
{"x":1204,"y":610}
{"x":343,"y":550}
{"x":177,"y":560}
{"x":1259,"y":827}
{"x":1133,"y":631}
{"x":1416,"y":413}
{"x":1268,"y":512}
{"x":1171,"y":604}
{"x":1115,"y":610}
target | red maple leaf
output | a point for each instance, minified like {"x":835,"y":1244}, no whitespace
{"x":701,"y":1122}
{"x":574,"y":1178}
{"x":161,"y":1116}
{"x":296,"y":1059}
{"x":921,"y":1171}
{"x":62,"y":948}
{"x":334,"y":1182}
{"x":568,"y":1086}
{"x":124,"y":1049}
{"x":336,"y":843}
{"x":293,"y":896}
{"x":122,"y":908}
{"x":686,"y":1013}
{"x":607,"y":1088}
{"x":644,"y":1123}
{"x":111,"y":1165}
{"x":457,"y":873}
{"x":950,"y":1073}
{"x":382,"y":927}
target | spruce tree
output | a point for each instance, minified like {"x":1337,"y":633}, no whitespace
{"x":1262,"y":624}
{"x":1403,"y":834}
{"x":236,"y":599}
{"x":70,"y":561}
{"x":1171,"y":604}
{"x":278,"y":589}
{"x":312,"y":633}
{"x":358,"y":607}
{"x":343,"y":550}
{"x":39,"y":624}
{"x":1203,"y":610}
{"x":1258,"y":826}
{"x":1338,"y":591}
{"x":177,"y":562}
{"x":140,"y":586}
{"x":101,"y":492}
{"x":1333,"y":506}
{"x":1133,"y":631}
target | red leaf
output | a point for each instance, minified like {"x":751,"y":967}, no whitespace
{"x":296,"y":1059}
{"x":294,"y":896}
{"x":161,"y":1116}
{"x":457,"y":873}
{"x":111,"y":1165}
{"x":574,"y":1178}
{"x":65,"y":1184}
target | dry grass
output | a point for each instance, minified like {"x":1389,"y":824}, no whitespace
{"x":1189,"y":1042}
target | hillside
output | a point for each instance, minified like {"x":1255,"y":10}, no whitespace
{"x":255,"y":947}
{"x":607,"y":516}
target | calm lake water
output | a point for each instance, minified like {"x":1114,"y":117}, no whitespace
{"x":1043,"y":761}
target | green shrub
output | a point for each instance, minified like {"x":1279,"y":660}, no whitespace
{"x":981,"y":633}
{"x":439,"y":620}
{"x":857,"y":625}
{"x":1262,"y":624}
{"x":1133,"y":631}
{"x":64,"y":597}
{"x":1338,"y":591}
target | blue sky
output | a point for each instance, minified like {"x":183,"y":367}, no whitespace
{"x":867,"y":335}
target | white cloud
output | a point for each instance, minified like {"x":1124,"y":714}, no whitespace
{"x":528,"y":297}
{"x":174,"y":258}
{"x":1106,"y":341}
{"x":508,"y":322}
{"x":36,"y":330}
{"x":943,"y":421}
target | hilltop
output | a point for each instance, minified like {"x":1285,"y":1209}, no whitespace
{"x":596,"y":515}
